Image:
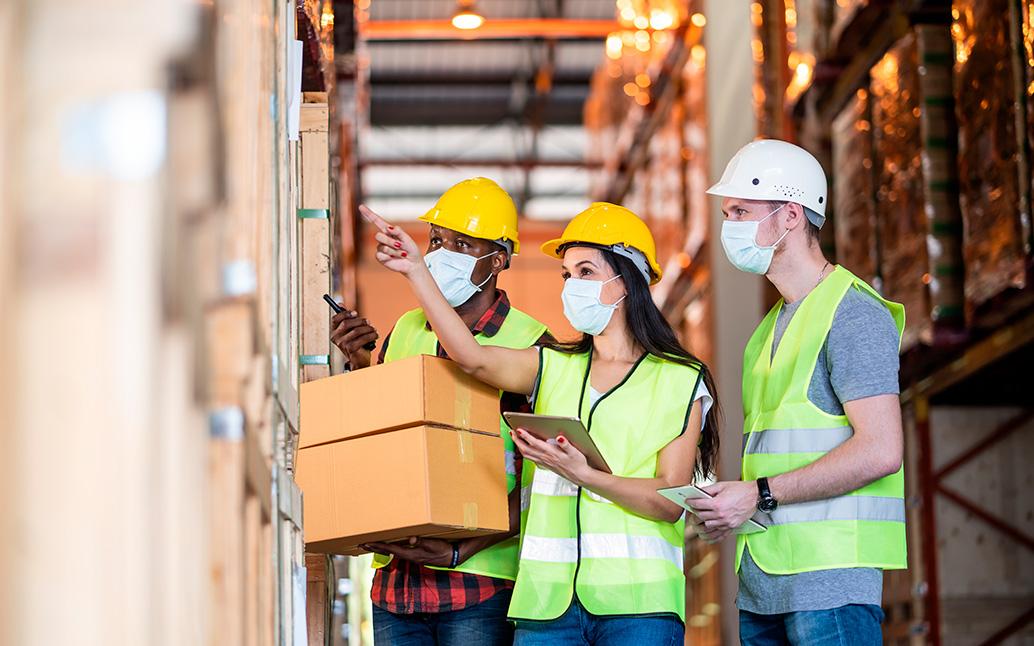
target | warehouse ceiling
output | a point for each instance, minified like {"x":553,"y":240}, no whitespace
{"x":420,"y":81}
{"x":504,"y":101}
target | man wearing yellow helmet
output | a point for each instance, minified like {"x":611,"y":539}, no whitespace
{"x":602,"y":556}
{"x":434,"y":591}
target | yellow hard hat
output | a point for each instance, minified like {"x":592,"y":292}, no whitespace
{"x":609,"y":225}
{"x":478,"y":207}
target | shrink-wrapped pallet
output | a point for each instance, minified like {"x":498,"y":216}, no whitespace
{"x":808,"y":28}
{"x":822,"y":14}
{"x":940,"y":176}
{"x":854,"y":206}
{"x":900,"y":213}
{"x":1027,"y":53}
{"x":844,"y":12}
{"x":990,"y":155}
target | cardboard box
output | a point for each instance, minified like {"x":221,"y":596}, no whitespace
{"x":421,"y":481}
{"x":411,"y":392}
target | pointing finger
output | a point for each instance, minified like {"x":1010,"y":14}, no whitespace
{"x":374,"y":219}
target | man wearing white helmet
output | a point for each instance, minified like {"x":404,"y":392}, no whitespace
{"x":822,"y":443}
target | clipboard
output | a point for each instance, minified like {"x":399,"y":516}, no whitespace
{"x":682,"y":496}
{"x":548,"y":427}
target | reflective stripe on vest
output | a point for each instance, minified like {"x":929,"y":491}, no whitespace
{"x":510,"y":460}
{"x":547,"y":483}
{"x":574,"y":541}
{"x":553,"y":485}
{"x":411,"y":337}
{"x":784,"y":431}
{"x":600,"y":546}
{"x":796,"y":440}
{"x":865,"y":508}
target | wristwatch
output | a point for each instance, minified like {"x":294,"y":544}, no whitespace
{"x":766,"y":502}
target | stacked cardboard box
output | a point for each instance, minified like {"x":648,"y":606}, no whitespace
{"x":408,"y":448}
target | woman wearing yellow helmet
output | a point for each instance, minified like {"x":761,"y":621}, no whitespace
{"x":601,"y":553}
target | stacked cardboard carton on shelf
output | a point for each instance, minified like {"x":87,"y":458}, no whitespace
{"x":408,"y":448}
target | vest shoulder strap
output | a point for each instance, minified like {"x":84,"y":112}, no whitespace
{"x":897,"y":310}
{"x":521,"y":329}
{"x":404,"y":335}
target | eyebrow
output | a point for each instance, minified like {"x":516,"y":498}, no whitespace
{"x":436,"y":231}
{"x":580,"y":263}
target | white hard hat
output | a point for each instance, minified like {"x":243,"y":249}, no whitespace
{"x":777,"y":171}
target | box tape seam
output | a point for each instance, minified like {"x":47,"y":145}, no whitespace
{"x":470,"y":516}
{"x":461,"y":412}
{"x":466,"y":447}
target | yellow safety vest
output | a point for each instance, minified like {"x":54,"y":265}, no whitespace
{"x":575,"y":542}
{"x":412,"y":337}
{"x":784,"y":431}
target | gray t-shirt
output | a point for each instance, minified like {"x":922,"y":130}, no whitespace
{"x":858,"y":360}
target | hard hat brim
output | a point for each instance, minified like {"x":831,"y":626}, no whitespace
{"x":552,"y":248}
{"x":430,"y":219}
{"x":555,"y":247}
{"x":722,"y":189}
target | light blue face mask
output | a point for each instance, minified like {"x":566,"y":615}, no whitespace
{"x":583,"y":307}
{"x":739,"y":239}
{"x":452,"y":270}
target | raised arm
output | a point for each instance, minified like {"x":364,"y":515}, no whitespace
{"x":506,"y":369}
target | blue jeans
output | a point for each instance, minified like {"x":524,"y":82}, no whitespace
{"x":484,"y":623}
{"x":577,"y":627}
{"x":854,"y":625}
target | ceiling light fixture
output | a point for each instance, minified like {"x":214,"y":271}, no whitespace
{"x":466,"y":17}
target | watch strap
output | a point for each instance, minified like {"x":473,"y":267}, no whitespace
{"x":764,"y":491}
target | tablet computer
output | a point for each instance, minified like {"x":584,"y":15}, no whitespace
{"x":548,"y":427}
{"x":683,"y":496}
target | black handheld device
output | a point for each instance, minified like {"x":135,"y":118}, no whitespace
{"x":372,"y":345}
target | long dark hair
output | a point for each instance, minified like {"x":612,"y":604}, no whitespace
{"x":652,"y":332}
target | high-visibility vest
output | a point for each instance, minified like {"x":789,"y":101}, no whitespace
{"x":412,"y":337}
{"x":784,"y":430}
{"x":575,"y":542}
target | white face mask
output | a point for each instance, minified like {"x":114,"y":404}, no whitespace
{"x":739,"y":239}
{"x":583,"y":307}
{"x":452,"y":271}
